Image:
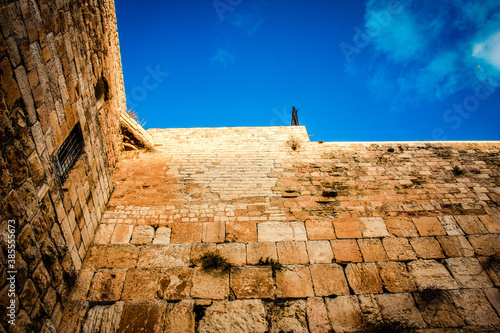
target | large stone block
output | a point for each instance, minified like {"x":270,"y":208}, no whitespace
{"x":431,"y":274}
{"x":294,"y":281}
{"x":252,"y":282}
{"x":328,"y":279}
{"x":165,"y":256}
{"x":281,"y":231}
{"x":344,"y":313}
{"x":210,"y":284}
{"x":364,"y":278}
{"x":236,"y":316}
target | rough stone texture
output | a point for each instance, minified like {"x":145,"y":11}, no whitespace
{"x":468,"y":273}
{"x":252,"y":282}
{"x":346,"y":250}
{"x":431,"y":274}
{"x":211,"y":284}
{"x":180,"y":317}
{"x":320,"y":252}
{"x":328,"y":279}
{"x":344,"y":313}
{"x":165,"y":256}
{"x":292,"y":253}
{"x":456,"y":246}
{"x":399,"y":308}
{"x":428,"y":226}
{"x":257,"y":251}
{"x":319,"y":229}
{"x":474,"y":307}
{"x":372,"y":250}
{"x":107,"y":285}
{"x":398,"y":249}
{"x":162,"y":235}
{"x":288,"y":316}
{"x":142,"y":235}
{"x":396,"y":277}
{"x":364,"y":278}
{"x":236,"y":316}
{"x":294,"y":281}
{"x":317,"y":315}
{"x":373,"y":227}
{"x":281,"y":231}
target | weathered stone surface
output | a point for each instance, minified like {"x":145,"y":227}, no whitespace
{"x":257,"y":251}
{"x":162,"y":235}
{"x":474,"y":307}
{"x":122,"y":234}
{"x":328,"y":279}
{"x":468,"y":273}
{"x":347,"y":227}
{"x":236,"y":316}
{"x":427,"y":248}
{"x":438,"y":311}
{"x":82,"y":284}
{"x":290,"y":253}
{"x":399,"y":308}
{"x":186,"y":233}
{"x":235,"y":253}
{"x":103,"y":318}
{"x":431,"y":274}
{"x":450,"y":225}
{"x":252,"y":282}
{"x":281,"y":231}
{"x":142,"y":235}
{"x":491,"y":223}
{"x":428,"y":226}
{"x":210,"y":284}
{"x":16,"y":163}
{"x":373,"y":227}
{"x":346,"y":250}
{"x":175,"y":283}
{"x":288,"y":316}
{"x":107,"y":285}
{"x":141,"y":284}
{"x":456,"y":246}
{"x":112,"y":257}
{"x":493,"y":295}
{"x":396,"y":277}
{"x":73,"y":317}
{"x":485,"y":245}
{"x":372,"y":250}
{"x":103,"y":234}
{"x":364,"y":278}
{"x":141,"y":316}
{"x":294,"y":281}
{"x":398,"y":249}
{"x":401,"y":227}
{"x":317,"y":315}
{"x":320,"y":252}
{"x":344,"y":313}
{"x":213,"y":232}
{"x":200,"y":249}
{"x":165,"y":256}
{"x":320,"y":229}
{"x":242,"y":232}
{"x":471,"y":224}
{"x":179,"y":317}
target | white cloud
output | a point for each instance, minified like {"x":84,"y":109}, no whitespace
{"x":224,"y":57}
{"x":489,"y":50}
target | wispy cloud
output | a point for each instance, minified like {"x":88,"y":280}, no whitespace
{"x":429,"y":49}
{"x":223,"y":57}
{"x":250,"y":23}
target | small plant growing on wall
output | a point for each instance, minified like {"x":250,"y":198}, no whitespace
{"x":431,"y":295}
{"x":214,"y":261}
{"x":274,"y":264}
{"x":293,"y":143}
{"x":389,"y":327}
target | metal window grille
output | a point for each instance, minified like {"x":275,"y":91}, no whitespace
{"x":69,"y":151}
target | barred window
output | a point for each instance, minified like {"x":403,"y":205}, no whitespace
{"x":69,"y":151}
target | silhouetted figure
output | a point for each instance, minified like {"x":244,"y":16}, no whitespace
{"x":295,"y":118}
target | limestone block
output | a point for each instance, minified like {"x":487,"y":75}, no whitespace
{"x":252,"y":282}
{"x":456,"y":246}
{"x":213,"y":232}
{"x":396,"y":277}
{"x":320,"y":229}
{"x":236,"y":253}
{"x":290,"y":253}
{"x":492,"y":223}
{"x":373,"y":227}
{"x":199,"y":249}
{"x":102,"y":256}
{"x":210,"y":284}
{"x":428,"y":226}
{"x":344,"y":313}
{"x":493,"y":295}
{"x":165,"y":256}
{"x":372,"y":250}
{"x":294,"y":281}
{"x":431,"y":274}
{"x":438,"y":310}
{"x":398,"y":249}
{"x":107,"y":285}
{"x":346,"y":250}
{"x":82,"y":284}
{"x":289,"y":316}
{"x":179,"y":317}
{"x":103,"y":234}
{"x":427,"y":247}
{"x":142,"y":235}
{"x":141,"y":316}
{"x":471,"y":224}
{"x":243,"y":232}
{"x":73,"y":316}
{"x":328,"y":279}
{"x":103,"y":318}
{"x":317,"y":315}
{"x":399,"y":308}
{"x":468,"y":272}
{"x":401,"y":227}
{"x":257,"y":251}
{"x":320,"y":252}
{"x":186,"y":232}
{"x":450,"y":225}
{"x":485,"y":245}
{"x":162,"y":235}
{"x":347,"y":227}
{"x":474,"y":307}
{"x":281,"y":231}
{"x":122,"y":234}
{"x":235,"y":316}
{"x":364,"y":278}
{"x":141,"y":284}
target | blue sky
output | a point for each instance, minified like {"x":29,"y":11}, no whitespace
{"x":356,"y":70}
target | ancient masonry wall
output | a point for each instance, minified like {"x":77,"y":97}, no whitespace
{"x":367,"y":234}
{"x":60,"y":68}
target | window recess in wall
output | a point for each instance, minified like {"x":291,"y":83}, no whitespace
{"x":68,"y":153}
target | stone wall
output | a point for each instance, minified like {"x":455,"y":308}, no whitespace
{"x":60,"y":66}
{"x":365,"y":234}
